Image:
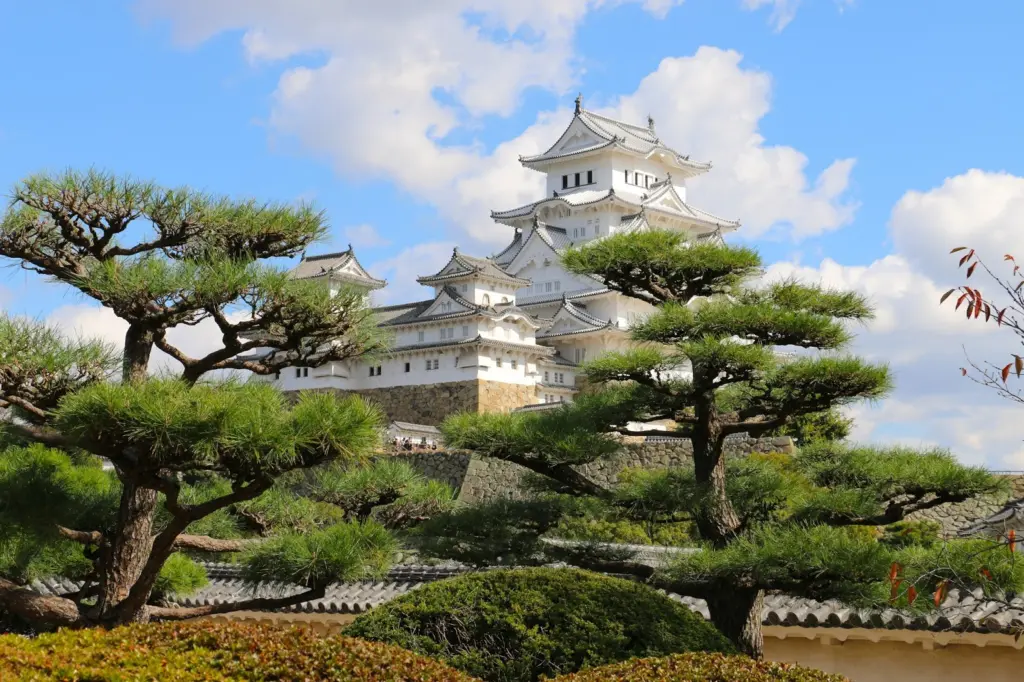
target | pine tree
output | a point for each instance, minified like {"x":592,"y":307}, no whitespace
{"x":198,"y":467}
{"x":828,"y":522}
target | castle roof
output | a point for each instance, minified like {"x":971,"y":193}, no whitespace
{"x":664,"y":199}
{"x":571,"y":320}
{"x":461,"y":266}
{"x":589,"y":132}
{"x":430,"y":311}
{"x":343,"y":266}
{"x":477,"y":340}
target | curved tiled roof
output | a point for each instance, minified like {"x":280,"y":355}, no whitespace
{"x":478,"y":339}
{"x":969,"y":612}
{"x":467,"y":266}
{"x":526,"y":301}
{"x":617,"y":134}
{"x":331,"y":264}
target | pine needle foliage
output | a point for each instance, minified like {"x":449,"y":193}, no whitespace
{"x":723,"y":354}
{"x":197,"y":466}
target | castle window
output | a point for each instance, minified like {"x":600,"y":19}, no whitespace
{"x":583,"y":232}
{"x":590,"y":177}
{"x":456,"y":360}
{"x":437,"y":363}
{"x":407,"y":367}
{"x":371,"y":371}
{"x":545,"y":377}
{"x":298,"y":372}
{"x":465,"y":288}
{"x":305,"y":371}
{"x":515,"y":364}
{"x":419,"y":336}
{"x":647,"y":181}
{"x":558,"y":285}
{"x":465,"y":330}
{"x":577,"y":179}
{"x":487,"y":299}
{"x":629,"y":177}
{"x":565,"y":182}
{"x":378,"y":370}
{"x":428,"y":365}
{"x":497,"y":362}
{"x":581,"y":355}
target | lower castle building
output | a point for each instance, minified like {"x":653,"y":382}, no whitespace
{"x":511,"y":330}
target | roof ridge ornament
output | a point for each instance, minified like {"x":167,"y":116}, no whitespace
{"x":579,"y":103}
{"x":650,"y":123}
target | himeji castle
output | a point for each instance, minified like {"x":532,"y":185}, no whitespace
{"x":510,"y":330}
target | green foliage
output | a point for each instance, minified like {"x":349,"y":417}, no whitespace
{"x":701,"y":668}
{"x":39,"y":365}
{"x":517,"y":625}
{"x":342,"y":552}
{"x":660,"y":265}
{"x":828,"y":425}
{"x":180,"y":576}
{"x":565,"y":435}
{"x":923,"y":533}
{"x":211,"y":652}
{"x":243,"y":431}
{"x":41,"y":489}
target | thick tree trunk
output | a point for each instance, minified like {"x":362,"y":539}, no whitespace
{"x":128,"y":551}
{"x":737,"y":615}
{"x":718,"y":521}
{"x":138,"y":346}
{"x":130,"y":543}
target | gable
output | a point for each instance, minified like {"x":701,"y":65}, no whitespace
{"x":443,"y":305}
{"x":577,"y":137}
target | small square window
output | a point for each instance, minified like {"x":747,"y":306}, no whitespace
{"x":515,"y":364}
{"x":497,"y":362}
{"x":437,"y":363}
{"x":428,"y":365}
{"x":407,"y":367}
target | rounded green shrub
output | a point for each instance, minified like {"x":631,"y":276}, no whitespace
{"x":517,"y":625}
{"x":210,"y":652}
{"x":701,"y":668}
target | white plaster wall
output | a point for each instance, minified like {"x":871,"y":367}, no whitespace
{"x":620,"y":163}
{"x":483,"y":293}
{"x":600,"y":164}
{"x":460,"y":328}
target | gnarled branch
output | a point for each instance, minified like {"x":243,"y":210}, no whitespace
{"x":262,"y":604}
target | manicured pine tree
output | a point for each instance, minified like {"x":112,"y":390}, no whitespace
{"x":721,"y":357}
{"x":198,"y":467}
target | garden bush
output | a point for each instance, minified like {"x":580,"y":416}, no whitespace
{"x":209,"y":652}
{"x":701,"y":668}
{"x":517,"y":625}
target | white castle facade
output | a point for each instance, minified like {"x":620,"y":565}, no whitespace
{"x":511,"y":330}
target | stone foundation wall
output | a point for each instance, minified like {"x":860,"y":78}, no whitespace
{"x":476,"y":478}
{"x":430,"y":404}
{"x":954,"y":517}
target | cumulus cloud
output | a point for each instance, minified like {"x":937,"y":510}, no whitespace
{"x":924,"y":343}
{"x":90,"y":321}
{"x":402,"y":270}
{"x":395,"y":82}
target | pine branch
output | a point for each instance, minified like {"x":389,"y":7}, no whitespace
{"x":37,"y":608}
{"x":204,"y":543}
{"x":80,"y":536}
{"x":261,"y":604}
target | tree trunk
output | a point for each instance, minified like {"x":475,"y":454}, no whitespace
{"x":130,"y":543}
{"x":718,"y":521}
{"x":138,"y":346}
{"x":128,"y":551}
{"x":737,"y":615}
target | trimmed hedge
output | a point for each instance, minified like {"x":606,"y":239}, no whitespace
{"x":701,"y":668}
{"x":210,"y":652}
{"x":517,"y":625}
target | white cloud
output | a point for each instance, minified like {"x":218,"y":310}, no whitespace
{"x":364,"y":236}
{"x":395,"y":81}
{"x":402,"y":270}
{"x":784,"y":11}
{"x":923,"y":342}
{"x":97,"y":322}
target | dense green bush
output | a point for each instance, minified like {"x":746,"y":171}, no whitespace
{"x":701,"y":668}
{"x":210,"y":652}
{"x":516,"y":625}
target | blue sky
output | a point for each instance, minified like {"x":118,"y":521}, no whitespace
{"x":269,"y":99}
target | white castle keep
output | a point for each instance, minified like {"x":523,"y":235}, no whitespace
{"x":511,"y":330}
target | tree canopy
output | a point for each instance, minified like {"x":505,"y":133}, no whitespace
{"x":723,"y":353}
{"x":193,"y":467}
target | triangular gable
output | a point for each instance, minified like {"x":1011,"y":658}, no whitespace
{"x":667,"y":199}
{"x":570,"y":319}
{"x":535,"y":248}
{"x":577,"y":136}
{"x":446,"y":303}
